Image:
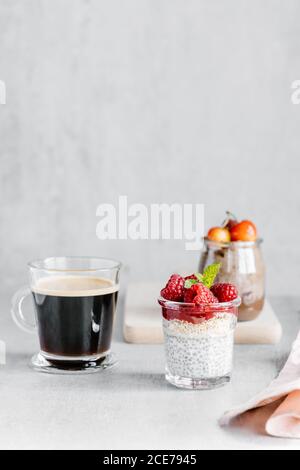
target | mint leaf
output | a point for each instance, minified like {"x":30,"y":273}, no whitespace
{"x":199,"y":277}
{"x":190,"y":282}
{"x":209,"y":274}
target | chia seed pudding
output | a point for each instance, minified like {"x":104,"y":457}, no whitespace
{"x":199,"y":342}
{"x":199,"y":318}
{"x":241,"y":264}
{"x":202,"y":350}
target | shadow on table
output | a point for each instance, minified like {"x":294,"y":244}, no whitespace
{"x":15,"y":360}
{"x":113,"y":380}
{"x":116,"y":381}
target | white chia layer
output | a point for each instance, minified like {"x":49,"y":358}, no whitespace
{"x":202,"y":350}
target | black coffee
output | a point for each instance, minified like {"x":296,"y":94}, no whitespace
{"x":75,"y":315}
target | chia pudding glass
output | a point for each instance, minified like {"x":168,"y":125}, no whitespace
{"x":242,"y":265}
{"x":199,"y":342}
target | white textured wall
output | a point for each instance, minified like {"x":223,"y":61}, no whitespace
{"x":160,"y":100}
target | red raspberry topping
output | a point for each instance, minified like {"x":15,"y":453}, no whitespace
{"x":199,"y":294}
{"x":192,"y":276}
{"x":191,"y":292}
{"x":224,"y":292}
{"x":174,"y":289}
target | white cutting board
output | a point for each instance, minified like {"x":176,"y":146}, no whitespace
{"x":143,"y":323}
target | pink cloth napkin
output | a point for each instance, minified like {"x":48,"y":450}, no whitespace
{"x":276,"y":410}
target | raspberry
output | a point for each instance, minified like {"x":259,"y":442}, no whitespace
{"x":199,"y":294}
{"x":191,"y":292}
{"x":224,"y":292}
{"x":174,"y":288}
{"x":192,"y":276}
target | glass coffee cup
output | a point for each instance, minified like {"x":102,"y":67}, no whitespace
{"x":75,"y":301}
{"x":242,"y":265}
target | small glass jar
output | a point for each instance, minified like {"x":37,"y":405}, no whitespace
{"x":199,"y":342}
{"x":242,"y":265}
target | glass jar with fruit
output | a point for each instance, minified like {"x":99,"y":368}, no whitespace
{"x":199,"y":319}
{"x":237,"y":248}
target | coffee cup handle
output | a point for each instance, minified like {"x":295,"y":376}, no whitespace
{"x":17,"y":313}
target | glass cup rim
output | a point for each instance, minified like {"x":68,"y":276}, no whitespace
{"x":185,"y":305}
{"x":238,"y":244}
{"x":40,"y":264}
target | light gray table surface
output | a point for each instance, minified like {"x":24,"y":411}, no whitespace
{"x":132,"y":406}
